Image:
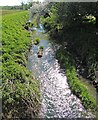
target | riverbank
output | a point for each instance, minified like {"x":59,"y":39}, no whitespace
{"x":57,"y":99}
{"x":82,"y":89}
{"x":78,"y":54}
{"x":78,"y":86}
{"x":20,"y":90}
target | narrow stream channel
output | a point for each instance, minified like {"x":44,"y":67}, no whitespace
{"x":57,"y":98}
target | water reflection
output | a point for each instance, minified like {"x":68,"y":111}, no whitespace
{"x":57,"y":99}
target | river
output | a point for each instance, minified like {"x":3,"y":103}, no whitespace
{"x":57,"y":99}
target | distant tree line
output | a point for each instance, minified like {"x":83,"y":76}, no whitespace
{"x":23,"y":6}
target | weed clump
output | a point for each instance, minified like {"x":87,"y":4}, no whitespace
{"x":41,"y":47}
{"x":36,"y":41}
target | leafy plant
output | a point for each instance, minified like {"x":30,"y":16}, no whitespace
{"x":36,"y":41}
{"x":41,"y":47}
{"x":20,"y":93}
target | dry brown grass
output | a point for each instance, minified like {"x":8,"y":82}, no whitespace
{"x":4,"y":12}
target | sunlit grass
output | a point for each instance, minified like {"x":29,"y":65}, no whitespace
{"x":19,"y":88}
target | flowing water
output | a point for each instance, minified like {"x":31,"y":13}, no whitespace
{"x":57,"y":98}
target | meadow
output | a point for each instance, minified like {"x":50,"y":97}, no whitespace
{"x":20,"y":90}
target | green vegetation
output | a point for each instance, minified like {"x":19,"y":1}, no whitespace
{"x":20,"y":91}
{"x":23,"y":6}
{"x":74,"y":26}
{"x":28,"y":25}
{"x":34,"y":21}
{"x":76,"y":85}
{"x":40,"y":51}
{"x":36,"y":41}
{"x":41,"y":47}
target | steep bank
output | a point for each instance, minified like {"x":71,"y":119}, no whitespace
{"x":20,"y":91}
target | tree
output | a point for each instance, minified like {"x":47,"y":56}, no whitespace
{"x":67,"y":24}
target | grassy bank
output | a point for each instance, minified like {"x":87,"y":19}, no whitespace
{"x":20,"y":91}
{"x":78,"y":87}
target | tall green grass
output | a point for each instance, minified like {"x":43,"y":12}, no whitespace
{"x":20,"y":91}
